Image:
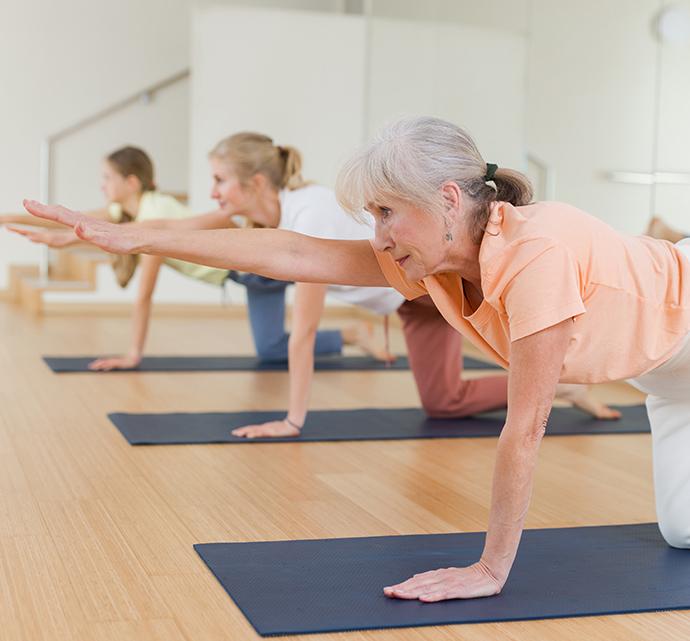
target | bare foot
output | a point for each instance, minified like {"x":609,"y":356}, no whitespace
{"x":362,"y":335}
{"x":581,"y":397}
{"x":657,"y":228}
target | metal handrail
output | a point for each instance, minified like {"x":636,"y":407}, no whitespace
{"x":46,"y":176}
{"x":649,"y":177}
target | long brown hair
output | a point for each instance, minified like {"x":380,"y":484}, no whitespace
{"x":132,"y":161}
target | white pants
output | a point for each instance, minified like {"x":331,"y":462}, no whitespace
{"x":668,"y":407}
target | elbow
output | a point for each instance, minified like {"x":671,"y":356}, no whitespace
{"x":533,"y":437}
{"x":524,"y":437}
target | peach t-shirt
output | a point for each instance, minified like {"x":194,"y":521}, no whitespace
{"x":546,"y":262}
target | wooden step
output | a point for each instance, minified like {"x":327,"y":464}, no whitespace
{"x":31,"y":289}
{"x":74,"y":270}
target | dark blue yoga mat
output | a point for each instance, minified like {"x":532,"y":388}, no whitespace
{"x":64,"y":365}
{"x":332,"y":585}
{"x":356,"y":425}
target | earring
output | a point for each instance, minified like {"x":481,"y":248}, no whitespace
{"x":449,"y":236}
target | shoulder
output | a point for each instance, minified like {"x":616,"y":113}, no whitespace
{"x":309,"y":196}
{"x":532,"y":229}
{"x":311,"y":210}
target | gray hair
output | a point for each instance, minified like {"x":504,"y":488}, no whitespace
{"x":412,"y":158}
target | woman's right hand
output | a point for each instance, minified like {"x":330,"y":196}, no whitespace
{"x":130,"y":361}
{"x":272,"y":429}
{"x":113,"y":238}
{"x":51,"y":238}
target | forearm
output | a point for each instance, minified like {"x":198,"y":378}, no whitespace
{"x":274,"y":253}
{"x":140,"y":326}
{"x":301,"y":366}
{"x":211,"y":220}
{"x":536,"y":362}
{"x":516,"y":458}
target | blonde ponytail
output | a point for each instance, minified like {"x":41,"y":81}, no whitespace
{"x":251,"y":153}
{"x":292,"y":168}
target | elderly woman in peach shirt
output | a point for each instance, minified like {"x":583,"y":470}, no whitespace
{"x":547,"y":290}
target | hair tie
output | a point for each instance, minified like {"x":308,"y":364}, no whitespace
{"x":490,"y":172}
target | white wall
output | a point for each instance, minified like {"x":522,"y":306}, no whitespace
{"x":435,"y":72}
{"x":62,"y":61}
{"x":673,"y":201}
{"x":590,"y":101}
{"x":298,"y":77}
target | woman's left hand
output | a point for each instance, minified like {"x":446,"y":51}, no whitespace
{"x":447,"y":583}
{"x":113,"y":238}
{"x":272,"y":429}
{"x":52,"y":238}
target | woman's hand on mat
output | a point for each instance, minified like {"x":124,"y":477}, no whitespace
{"x":51,"y":238}
{"x":267,"y":430}
{"x":117,"y":239}
{"x":447,"y":583}
{"x":116,"y":362}
{"x":581,"y":397}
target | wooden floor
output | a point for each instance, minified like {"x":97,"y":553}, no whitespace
{"x":96,"y":536}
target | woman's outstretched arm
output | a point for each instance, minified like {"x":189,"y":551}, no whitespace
{"x":274,"y":253}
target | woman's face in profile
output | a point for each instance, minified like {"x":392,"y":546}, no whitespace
{"x":114,"y":185}
{"x":411,"y":235}
{"x":227,"y":190}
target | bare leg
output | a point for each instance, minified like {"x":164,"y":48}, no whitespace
{"x":362,"y":336}
{"x":580,"y":397}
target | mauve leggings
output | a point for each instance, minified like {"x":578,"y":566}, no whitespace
{"x":434,"y":349}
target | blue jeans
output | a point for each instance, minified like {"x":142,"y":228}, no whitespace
{"x":266,"y":305}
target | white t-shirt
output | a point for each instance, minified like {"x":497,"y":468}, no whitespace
{"x":314,"y":211}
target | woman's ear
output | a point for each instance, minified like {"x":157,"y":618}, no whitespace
{"x":452,"y":196}
{"x":134,"y":183}
{"x":258,"y":183}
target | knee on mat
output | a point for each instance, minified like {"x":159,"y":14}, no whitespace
{"x":274,"y":351}
{"x":676,"y":530}
{"x":269,"y":354}
{"x":439,"y":409}
{"x":448,"y":405}
{"x":271,"y":357}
